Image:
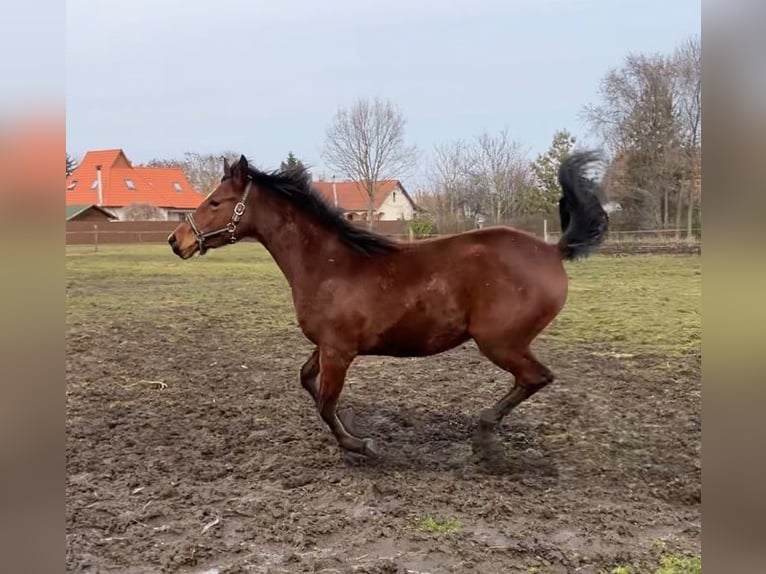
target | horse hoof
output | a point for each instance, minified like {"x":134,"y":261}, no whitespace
{"x":368,"y":452}
{"x":348,"y":420}
{"x":482,"y":438}
{"x":370,"y":449}
{"x":487,"y":421}
{"x":487,"y":448}
{"x":352,"y":458}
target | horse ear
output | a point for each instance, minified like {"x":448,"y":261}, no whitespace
{"x":240,"y":170}
{"x":226,"y":167}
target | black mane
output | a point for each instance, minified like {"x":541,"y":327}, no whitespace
{"x":294,"y":185}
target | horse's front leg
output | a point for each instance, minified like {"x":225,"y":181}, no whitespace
{"x":323,"y":376}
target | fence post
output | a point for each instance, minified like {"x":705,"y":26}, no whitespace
{"x":545,"y":230}
{"x":411,"y":234}
{"x":95,"y":238}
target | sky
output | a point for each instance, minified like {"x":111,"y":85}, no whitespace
{"x":262,"y":78}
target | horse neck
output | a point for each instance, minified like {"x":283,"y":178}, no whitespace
{"x":300,"y":247}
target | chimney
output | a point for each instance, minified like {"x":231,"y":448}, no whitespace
{"x":334,"y":191}
{"x":100,"y":188}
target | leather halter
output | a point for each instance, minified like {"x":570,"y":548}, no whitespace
{"x":231,"y":227}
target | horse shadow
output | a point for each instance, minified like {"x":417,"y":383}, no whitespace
{"x":432,"y":440}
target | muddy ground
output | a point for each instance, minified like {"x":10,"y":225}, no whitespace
{"x":197,"y":456}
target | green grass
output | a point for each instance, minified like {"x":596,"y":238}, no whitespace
{"x":630,"y":304}
{"x":668,"y":564}
{"x":238,"y":289}
{"x":435,"y":526}
{"x":634,"y":304}
{"x":679,"y":565}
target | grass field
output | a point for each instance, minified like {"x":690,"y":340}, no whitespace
{"x":634,"y":304}
{"x":191,"y":446}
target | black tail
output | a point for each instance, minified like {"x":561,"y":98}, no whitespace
{"x":584,"y":221}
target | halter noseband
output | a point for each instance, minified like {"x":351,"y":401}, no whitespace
{"x":231,"y":227}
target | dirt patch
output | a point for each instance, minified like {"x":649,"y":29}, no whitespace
{"x":192,"y":452}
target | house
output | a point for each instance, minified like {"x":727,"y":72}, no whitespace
{"x":392,"y":202}
{"x":108,"y":180}
{"x":88,"y":213}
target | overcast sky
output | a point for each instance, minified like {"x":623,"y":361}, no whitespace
{"x":159,"y":78}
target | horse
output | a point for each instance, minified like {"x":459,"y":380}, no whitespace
{"x":358,"y":293}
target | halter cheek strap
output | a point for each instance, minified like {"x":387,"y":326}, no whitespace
{"x":230,"y":228}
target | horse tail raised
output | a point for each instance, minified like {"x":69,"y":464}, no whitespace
{"x":584,"y":221}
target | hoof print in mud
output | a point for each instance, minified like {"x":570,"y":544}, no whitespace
{"x":493,"y":459}
{"x":371,"y":454}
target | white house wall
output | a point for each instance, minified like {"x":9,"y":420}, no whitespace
{"x":396,"y":206}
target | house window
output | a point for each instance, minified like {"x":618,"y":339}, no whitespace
{"x":130,"y":185}
{"x":72,"y":185}
{"x":177,"y":186}
{"x":394,"y":200}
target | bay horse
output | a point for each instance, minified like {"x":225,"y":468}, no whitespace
{"x":357,"y":293}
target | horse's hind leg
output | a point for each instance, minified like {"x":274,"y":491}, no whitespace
{"x":530,"y":376}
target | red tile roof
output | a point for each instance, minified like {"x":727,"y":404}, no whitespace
{"x":153,"y":185}
{"x":352,"y":195}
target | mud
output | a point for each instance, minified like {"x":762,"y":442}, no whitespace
{"x":201,"y":454}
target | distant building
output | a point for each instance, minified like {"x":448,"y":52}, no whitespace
{"x":392,"y":202}
{"x":107,"y":179}
{"x":88,"y":213}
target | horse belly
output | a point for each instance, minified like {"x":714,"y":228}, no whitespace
{"x":420,"y":332}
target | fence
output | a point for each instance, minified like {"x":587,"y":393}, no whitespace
{"x":95,"y":233}
{"x":618,"y":241}
{"x":105,"y":232}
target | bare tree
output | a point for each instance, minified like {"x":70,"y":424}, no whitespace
{"x":451,"y":199}
{"x":650,"y":116}
{"x":489,"y":176}
{"x":366,"y":143}
{"x":202,"y":170}
{"x":639,"y":122}
{"x":688,"y":62}
{"x":142,"y":212}
{"x":501,"y":172}
{"x":156,"y":162}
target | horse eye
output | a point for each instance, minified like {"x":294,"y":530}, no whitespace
{"x":214,"y":203}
